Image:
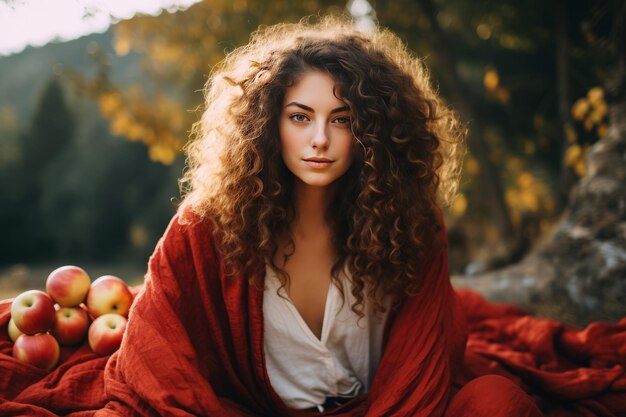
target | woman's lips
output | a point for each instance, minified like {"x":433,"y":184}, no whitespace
{"x":318,"y":162}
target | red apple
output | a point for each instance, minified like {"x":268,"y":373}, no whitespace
{"x":40,"y":350}
{"x":106,"y":332}
{"x":109,"y":294}
{"x":14,"y":332}
{"x":71,"y":325}
{"x":68,"y":285}
{"x":33,"y":312}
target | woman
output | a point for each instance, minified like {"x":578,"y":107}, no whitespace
{"x":306,"y":269}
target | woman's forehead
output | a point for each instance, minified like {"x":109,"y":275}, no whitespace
{"x":314,"y":86}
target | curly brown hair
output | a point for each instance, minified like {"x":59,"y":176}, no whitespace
{"x":386,"y":218}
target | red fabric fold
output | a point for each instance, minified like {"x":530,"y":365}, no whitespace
{"x":194,"y":346}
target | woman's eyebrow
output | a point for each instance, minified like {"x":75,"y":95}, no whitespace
{"x":307,"y":108}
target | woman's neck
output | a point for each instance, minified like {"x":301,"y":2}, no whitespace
{"x":311,"y":204}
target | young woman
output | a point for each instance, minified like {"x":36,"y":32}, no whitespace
{"x":305,"y":271}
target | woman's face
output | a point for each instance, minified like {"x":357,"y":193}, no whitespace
{"x":315,"y":133}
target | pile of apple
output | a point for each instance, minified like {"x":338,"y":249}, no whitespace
{"x":72,"y":308}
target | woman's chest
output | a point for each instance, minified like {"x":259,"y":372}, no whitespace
{"x":308,"y":288}
{"x":308,"y":267}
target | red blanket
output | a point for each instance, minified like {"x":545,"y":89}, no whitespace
{"x":194,"y":346}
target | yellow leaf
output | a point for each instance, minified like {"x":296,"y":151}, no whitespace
{"x":491,"y":79}
{"x":120,"y":123}
{"x":162,"y":153}
{"x":580,"y":168}
{"x":525,"y":180}
{"x":529,"y":200}
{"x":121,"y":45}
{"x":109,"y":103}
{"x":472,"y":167}
{"x":599,"y":112}
{"x":572,"y":155}
{"x":459,"y":206}
{"x":595,"y":95}
{"x":483,"y":31}
{"x":602,"y":130}
{"x":580,"y":109}
{"x":135,"y":131}
{"x":149,"y":137}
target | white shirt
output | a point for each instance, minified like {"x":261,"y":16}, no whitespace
{"x":303,"y":369}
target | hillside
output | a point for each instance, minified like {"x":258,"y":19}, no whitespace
{"x":95,"y":197}
{"x":23,"y":75}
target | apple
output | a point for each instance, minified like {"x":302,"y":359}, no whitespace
{"x":40,"y":350}
{"x":71,"y":325}
{"x":33,"y":312}
{"x":109,"y":294}
{"x":68,"y":285}
{"x":106,"y":332}
{"x":14,"y":332}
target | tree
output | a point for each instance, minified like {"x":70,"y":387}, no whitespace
{"x":498,"y":63}
{"x":160,"y":111}
{"x":578,"y":274}
{"x":52,"y":130}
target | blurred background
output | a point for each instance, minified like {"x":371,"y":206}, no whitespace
{"x":96,"y":108}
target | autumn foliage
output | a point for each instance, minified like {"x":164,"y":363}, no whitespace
{"x":494,"y":63}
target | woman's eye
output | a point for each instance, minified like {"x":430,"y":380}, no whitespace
{"x":344,"y":120}
{"x":299,"y":117}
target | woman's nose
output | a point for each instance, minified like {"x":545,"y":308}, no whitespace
{"x":320,"y":136}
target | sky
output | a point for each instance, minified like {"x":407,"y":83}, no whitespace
{"x":37,"y":22}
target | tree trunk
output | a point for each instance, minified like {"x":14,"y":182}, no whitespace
{"x":567,"y":178}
